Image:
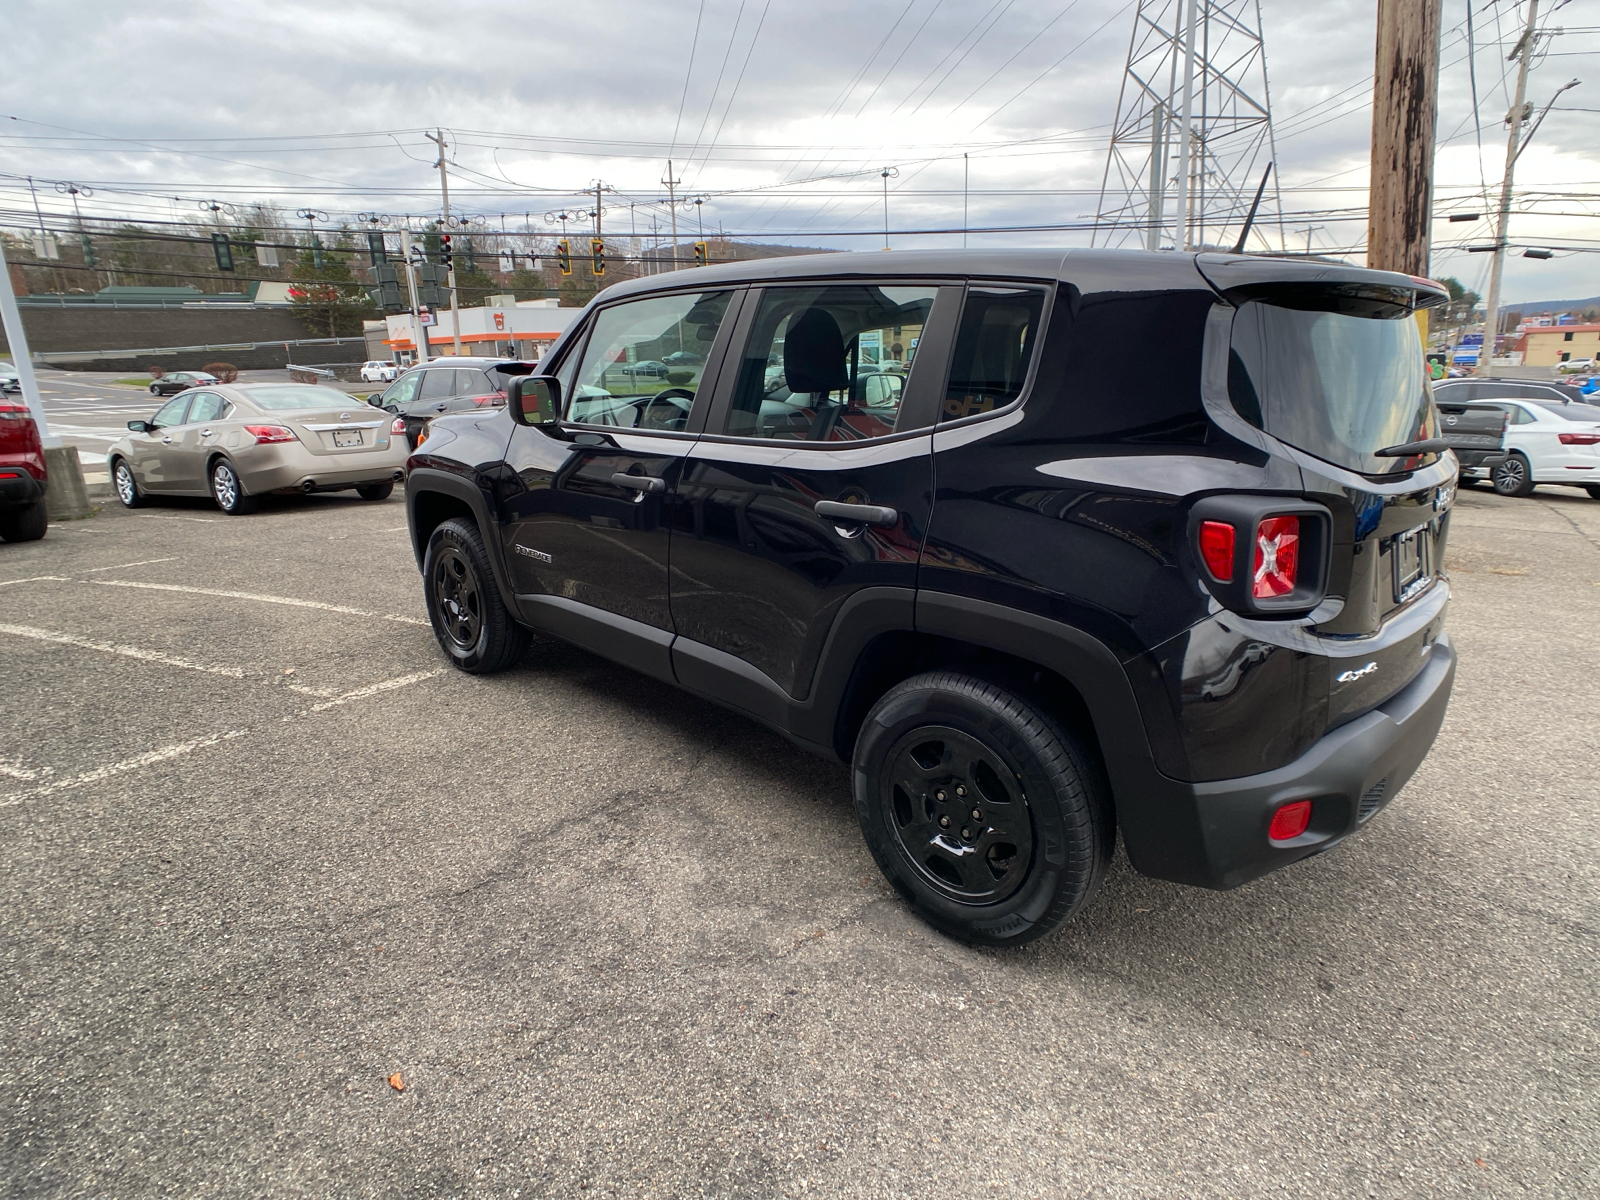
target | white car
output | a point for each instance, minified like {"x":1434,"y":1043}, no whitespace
{"x":378,"y":371}
{"x":1547,"y":441}
{"x":1575,"y":366}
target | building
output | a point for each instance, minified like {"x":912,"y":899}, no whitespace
{"x":1551,"y":345}
{"x":515,"y":329}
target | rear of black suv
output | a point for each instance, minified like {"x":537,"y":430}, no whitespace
{"x":1044,"y":545}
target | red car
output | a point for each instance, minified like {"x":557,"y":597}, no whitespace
{"x":22,"y":474}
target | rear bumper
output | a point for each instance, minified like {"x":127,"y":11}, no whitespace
{"x":1348,"y":776}
{"x":18,"y":487}
{"x":271,"y":469}
{"x":1480,"y":460}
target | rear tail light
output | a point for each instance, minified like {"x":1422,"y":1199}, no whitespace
{"x":1216,"y":548}
{"x":266,"y":435}
{"x":1290,"y":821}
{"x":1277,"y":564}
{"x":14,"y":412}
{"x":1579,"y":439}
{"x":399,"y":426}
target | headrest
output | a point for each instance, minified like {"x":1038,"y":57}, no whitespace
{"x":813,"y":354}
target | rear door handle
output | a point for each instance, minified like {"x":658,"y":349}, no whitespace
{"x":648,"y":484}
{"x":205,"y":433}
{"x":866,"y":514}
{"x":166,"y":441}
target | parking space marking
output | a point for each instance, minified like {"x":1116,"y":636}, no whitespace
{"x":36,"y":579}
{"x":149,"y":758}
{"x":196,"y":520}
{"x":83,"y":643}
{"x":143,"y":562}
{"x":388,"y":685}
{"x":291,"y":601}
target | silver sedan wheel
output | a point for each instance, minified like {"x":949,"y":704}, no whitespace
{"x":225,"y":485}
{"x":127,"y":490}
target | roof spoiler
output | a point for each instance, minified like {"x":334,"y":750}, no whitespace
{"x":1321,"y":287}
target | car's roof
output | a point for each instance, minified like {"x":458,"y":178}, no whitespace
{"x":466,"y":360}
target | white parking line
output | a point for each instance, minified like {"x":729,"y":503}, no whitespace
{"x":149,"y":758}
{"x":260,"y":599}
{"x":388,"y":685}
{"x":83,"y":643}
{"x":143,"y":562}
{"x":35,"y":579}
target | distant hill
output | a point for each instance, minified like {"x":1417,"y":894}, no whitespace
{"x":1552,"y":306}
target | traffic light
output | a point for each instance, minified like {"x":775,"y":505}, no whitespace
{"x":316,"y":252}
{"x":469,"y":260}
{"x":564,"y":257}
{"x":597,"y":256}
{"x":89,"y":256}
{"x":431,"y":284}
{"x":702,"y":254}
{"x":219,"y":247}
{"x":387,"y":293}
{"x":445,"y":256}
{"x":375,"y":252}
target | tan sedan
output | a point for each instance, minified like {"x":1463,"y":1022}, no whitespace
{"x":236,"y":442}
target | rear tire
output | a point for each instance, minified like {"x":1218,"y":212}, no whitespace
{"x":127,"y":486}
{"x":1513,"y":476}
{"x":992,"y":821}
{"x":228,"y":491}
{"x":470,"y":622}
{"x":24,"y":524}
{"x":376,"y":491}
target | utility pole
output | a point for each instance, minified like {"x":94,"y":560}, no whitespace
{"x":1186,"y":131}
{"x":419,"y":332}
{"x":888,"y":173}
{"x":437,"y":137}
{"x":1405,"y":104}
{"x":672,"y":206}
{"x":966,"y":189}
{"x":1310,"y":229}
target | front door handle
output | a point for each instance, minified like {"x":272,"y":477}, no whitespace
{"x":205,"y":433}
{"x":650,"y":485}
{"x":166,"y":441}
{"x":865,"y":514}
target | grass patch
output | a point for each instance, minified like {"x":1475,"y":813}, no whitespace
{"x":141,"y":383}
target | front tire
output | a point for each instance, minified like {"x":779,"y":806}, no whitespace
{"x":469,"y":620}
{"x":1594,"y":491}
{"x":154,"y":390}
{"x":992,"y":821}
{"x":228,"y":491}
{"x":1513,"y":476}
{"x":24,"y":524}
{"x":128,"y":490}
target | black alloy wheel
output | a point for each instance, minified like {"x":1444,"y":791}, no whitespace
{"x":470,"y":622}
{"x":991,"y":819}
{"x":1513,"y":476}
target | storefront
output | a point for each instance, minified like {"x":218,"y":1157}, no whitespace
{"x":524,"y":330}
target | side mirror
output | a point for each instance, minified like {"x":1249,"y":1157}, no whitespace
{"x":140,"y":426}
{"x":534,"y":400}
{"x":376,"y":399}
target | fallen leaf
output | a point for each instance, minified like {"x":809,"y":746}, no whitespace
{"x":1481,"y":1163}
{"x":288,"y":670}
{"x":1508,"y":570}
{"x":396,"y":1082}
{"x":1141,"y":910}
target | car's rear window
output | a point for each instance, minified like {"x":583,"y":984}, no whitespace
{"x":1570,"y":412}
{"x":1338,"y":385}
{"x":301,"y":396}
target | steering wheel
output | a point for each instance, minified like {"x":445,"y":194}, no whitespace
{"x":650,"y":414}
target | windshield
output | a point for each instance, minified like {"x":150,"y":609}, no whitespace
{"x":1336,"y":385}
{"x":302,"y":396}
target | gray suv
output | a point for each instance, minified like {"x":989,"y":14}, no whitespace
{"x":449,"y":385}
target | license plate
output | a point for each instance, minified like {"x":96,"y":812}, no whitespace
{"x":1409,"y":555}
{"x":346,"y":437}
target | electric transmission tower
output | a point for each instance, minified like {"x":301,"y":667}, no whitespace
{"x":1192,"y":142}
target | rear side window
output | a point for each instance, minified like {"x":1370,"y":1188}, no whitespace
{"x":437,"y":384}
{"x":994,"y":347}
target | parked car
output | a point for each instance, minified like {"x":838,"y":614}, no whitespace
{"x":442,"y":386}
{"x":645,"y":370}
{"x":378,"y":371}
{"x":236,"y":442}
{"x":1550,"y":433}
{"x":1575,"y":366}
{"x":1200,"y":604}
{"x":23,"y":517}
{"x":1476,"y":436}
{"x":10,"y":381}
{"x":174,"y":382}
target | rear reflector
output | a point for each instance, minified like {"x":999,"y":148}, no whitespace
{"x":265,"y":435}
{"x":1216,"y":547}
{"x":1277,"y":561}
{"x":399,"y":426}
{"x":1579,"y":439}
{"x":1290,"y":821}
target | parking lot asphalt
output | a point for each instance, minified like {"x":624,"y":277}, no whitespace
{"x":263,"y":851}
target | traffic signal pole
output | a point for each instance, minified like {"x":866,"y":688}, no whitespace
{"x":418,"y":331}
{"x":437,"y":137}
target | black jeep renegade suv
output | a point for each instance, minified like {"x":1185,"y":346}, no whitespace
{"x":1045,"y":545}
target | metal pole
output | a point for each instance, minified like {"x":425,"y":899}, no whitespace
{"x":1186,"y":134}
{"x":1158,"y":181}
{"x":1491,"y":305}
{"x":886,"y":208}
{"x":672,"y":204}
{"x":17,"y":339}
{"x":437,"y":137}
{"x":419,"y":334}
{"x":966,"y":188}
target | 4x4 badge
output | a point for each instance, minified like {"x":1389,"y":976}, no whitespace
{"x":1352,"y":676}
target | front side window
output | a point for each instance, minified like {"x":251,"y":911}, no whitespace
{"x":644,"y":361}
{"x":828,"y":364}
{"x":170,"y":413}
{"x":994,"y":344}
{"x":404,"y":389}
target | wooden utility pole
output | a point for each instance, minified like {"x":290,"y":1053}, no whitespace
{"x":1405,"y":103}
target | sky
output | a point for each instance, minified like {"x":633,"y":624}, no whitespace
{"x":779,"y":115}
